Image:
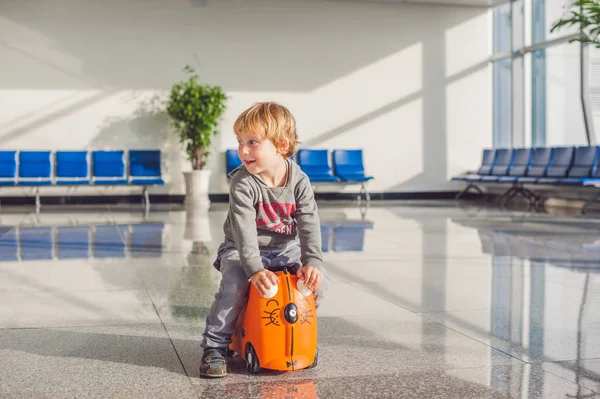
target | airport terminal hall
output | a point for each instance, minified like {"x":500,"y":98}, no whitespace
{"x":265,"y":199}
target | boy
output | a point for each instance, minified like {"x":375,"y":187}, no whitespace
{"x":272,"y":222}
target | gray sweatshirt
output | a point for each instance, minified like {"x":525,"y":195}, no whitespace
{"x":262,"y":216}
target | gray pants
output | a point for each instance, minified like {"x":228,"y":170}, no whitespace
{"x":229,"y":301}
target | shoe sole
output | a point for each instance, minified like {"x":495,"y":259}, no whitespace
{"x":212,"y":375}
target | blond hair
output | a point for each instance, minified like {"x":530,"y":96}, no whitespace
{"x":271,"y":121}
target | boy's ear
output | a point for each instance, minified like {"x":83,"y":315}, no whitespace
{"x":283,"y":146}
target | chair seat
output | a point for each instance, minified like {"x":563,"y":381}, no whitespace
{"x":35,"y":182}
{"x":110,"y":182}
{"x":571,"y":180}
{"x":72,"y":182}
{"x":508,"y":179}
{"x":321,"y":178}
{"x":527,"y":179}
{"x":350,"y":177}
{"x":490,"y":178}
{"x":468,"y":178}
{"x":548,"y":180}
{"x":147,"y":182}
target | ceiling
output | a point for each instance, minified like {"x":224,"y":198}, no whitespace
{"x":471,"y":3}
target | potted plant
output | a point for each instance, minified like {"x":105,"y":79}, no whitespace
{"x":195,"y":110}
{"x":585,"y":14}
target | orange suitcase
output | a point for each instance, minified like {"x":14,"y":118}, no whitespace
{"x":278,"y":333}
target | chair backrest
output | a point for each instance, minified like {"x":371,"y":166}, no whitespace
{"x":144,"y":163}
{"x":72,"y":165}
{"x":232,"y":160}
{"x":108,"y":164}
{"x":8,"y":165}
{"x":35,"y":165}
{"x":522,"y":158}
{"x":562,"y":158}
{"x":348,"y":162}
{"x":541,"y":159}
{"x":583,"y":161}
{"x":314,"y":162}
{"x":503,"y":162}
{"x":487,"y":162}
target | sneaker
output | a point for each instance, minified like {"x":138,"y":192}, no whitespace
{"x":213,"y":363}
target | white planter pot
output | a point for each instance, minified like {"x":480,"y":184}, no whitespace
{"x":196,"y":188}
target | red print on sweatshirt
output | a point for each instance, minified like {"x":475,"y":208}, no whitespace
{"x":276,"y":217}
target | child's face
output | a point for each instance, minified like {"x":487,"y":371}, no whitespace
{"x":257,"y":154}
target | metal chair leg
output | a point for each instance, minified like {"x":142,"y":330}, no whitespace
{"x":363,"y":190}
{"x":38,"y":204}
{"x":590,"y":202}
{"x":146,"y":199}
{"x":466,"y":190}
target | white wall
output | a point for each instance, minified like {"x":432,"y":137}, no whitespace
{"x":564,"y":115}
{"x":407,"y":83}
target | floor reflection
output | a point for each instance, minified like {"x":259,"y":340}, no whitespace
{"x":25,"y":243}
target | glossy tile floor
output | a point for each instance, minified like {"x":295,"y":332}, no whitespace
{"x":427,"y":300}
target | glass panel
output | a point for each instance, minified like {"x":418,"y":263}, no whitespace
{"x":564,"y":115}
{"x":518,"y":103}
{"x":502,"y":103}
{"x":538,"y":21}
{"x":538,"y":98}
{"x":555,"y":10}
{"x":517,"y":25}
{"x":502,"y":30}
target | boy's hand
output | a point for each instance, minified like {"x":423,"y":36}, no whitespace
{"x":311,"y":275}
{"x":263,"y":280}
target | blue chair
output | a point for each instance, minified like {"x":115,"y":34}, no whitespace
{"x":8,"y":168}
{"x":348,"y":166}
{"x":521,"y":162}
{"x":350,"y":236}
{"x":109,"y":241}
{"x":315,"y":164}
{"x":35,"y":169}
{"x":558,"y":169}
{"x":522,"y":159}
{"x":72,"y":167}
{"x":145,"y":170}
{"x":541,"y":161}
{"x":108,"y":168}
{"x":73,"y":242}
{"x":36,"y":243}
{"x":9,"y":244}
{"x":504,"y":158}
{"x":232,"y":160}
{"x":146,"y":240}
{"x":488,"y":158}
{"x":585,"y":161}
